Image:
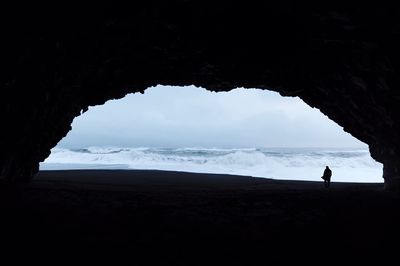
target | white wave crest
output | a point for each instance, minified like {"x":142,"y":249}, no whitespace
{"x":298,"y":164}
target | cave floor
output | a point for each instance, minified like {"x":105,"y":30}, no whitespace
{"x":183,"y":215}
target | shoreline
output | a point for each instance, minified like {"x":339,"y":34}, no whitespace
{"x":348,"y":165}
{"x":127,"y":179}
{"x":76,"y":174}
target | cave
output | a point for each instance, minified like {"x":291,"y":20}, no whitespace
{"x":58,"y":60}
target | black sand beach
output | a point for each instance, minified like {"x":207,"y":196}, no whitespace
{"x":179,"y":216}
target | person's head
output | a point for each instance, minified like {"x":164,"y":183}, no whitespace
{"x":327,"y":167}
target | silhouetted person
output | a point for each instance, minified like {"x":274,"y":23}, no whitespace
{"x":327,"y":176}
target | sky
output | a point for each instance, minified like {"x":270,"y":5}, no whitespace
{"x":169,"y":117}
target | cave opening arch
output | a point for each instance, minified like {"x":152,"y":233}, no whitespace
{"x":341,"y":58}
{"x":244,"y":131}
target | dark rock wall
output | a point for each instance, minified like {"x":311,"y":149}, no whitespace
{"x":58,"y":60}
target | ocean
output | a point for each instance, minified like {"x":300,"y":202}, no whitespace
{"x":347,"y":165}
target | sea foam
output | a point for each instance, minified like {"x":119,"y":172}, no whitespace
{"x":348,"y":165}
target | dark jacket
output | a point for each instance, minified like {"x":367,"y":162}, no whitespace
{"x":327,"y":174}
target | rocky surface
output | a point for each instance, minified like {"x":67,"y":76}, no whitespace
{"x":58,"y":60}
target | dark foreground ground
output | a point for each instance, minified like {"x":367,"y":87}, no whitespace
{"x":183,"y":218}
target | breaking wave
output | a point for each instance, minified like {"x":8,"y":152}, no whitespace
{"x":348,"y":165}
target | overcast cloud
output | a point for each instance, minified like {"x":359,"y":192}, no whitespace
{"x":193,"y":117}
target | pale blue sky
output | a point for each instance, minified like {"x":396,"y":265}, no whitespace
{"x":166,"y":116}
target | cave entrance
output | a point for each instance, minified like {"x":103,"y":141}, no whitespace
{"x":244,"y":132}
